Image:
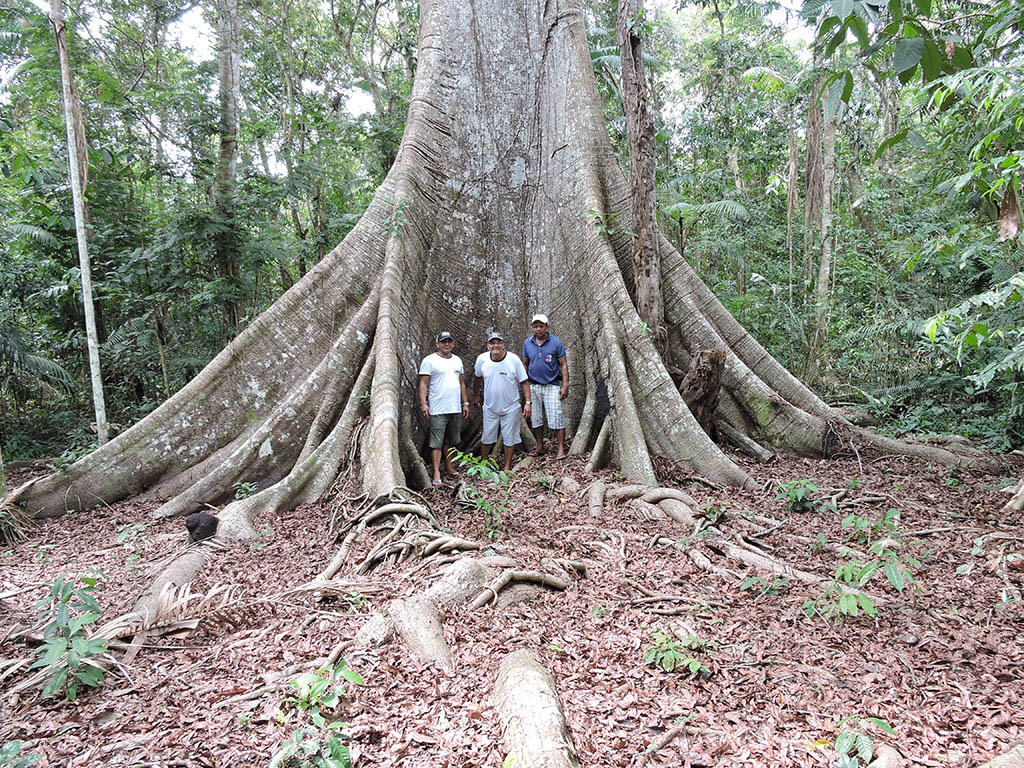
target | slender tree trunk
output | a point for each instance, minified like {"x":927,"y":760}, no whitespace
{"x":817,"y":351}
{"x":815,"y":188}
{"x":227,"y":241}
{"x":3,"y":474}
{"x":792,"y":196}
{"x":640,"y":124}
{"x":78,"y":164}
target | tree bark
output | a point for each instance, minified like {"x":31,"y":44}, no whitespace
{"x":640,"y":128}
{"x":78,"y":164}
{"x":792,"y":195}
{"x":817,"y":352}
{"x":520,"y":132}
{"x":813,"y":183}
{"x":227,"y":240}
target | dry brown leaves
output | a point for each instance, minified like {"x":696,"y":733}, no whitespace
{"x":941,"y":666}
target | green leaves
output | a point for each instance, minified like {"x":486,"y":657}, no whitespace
{"x":68,"y":654}
{"x":907,"y":53}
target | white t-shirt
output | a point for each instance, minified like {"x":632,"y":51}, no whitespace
{"x":444,"y":395}
{"x":501,"y":381}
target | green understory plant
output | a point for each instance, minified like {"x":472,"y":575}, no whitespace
{"x":854,"y":745}
{"x":762,"y":586}
{"x":318,"y":742}
{"x":496,"y":505}
{"x":864,"y":530}
{"x":842,"y":597}
{"x":9,"y":757}
{"x":668,"y":652}
{"x":801,"y":496}
{"x":68,"y":655}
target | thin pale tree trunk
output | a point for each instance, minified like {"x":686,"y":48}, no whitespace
{"x":814,"y":183}
{"x":77,"y":163}
{"x":817,"y":353}
{"x":640,"y":124}
{"x":792,"y":197}
{"x":229,"y":34}
{"x":3,"y":475}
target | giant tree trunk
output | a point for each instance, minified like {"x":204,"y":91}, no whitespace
{"x":488,"y":214}
{"x":78,"y":164}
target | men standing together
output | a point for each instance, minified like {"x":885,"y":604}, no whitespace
{"x":540,"y":376}
{"x":444,"y":401}
{"x":548,"y":368}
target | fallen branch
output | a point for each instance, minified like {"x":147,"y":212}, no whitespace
{"x":671,"y":735}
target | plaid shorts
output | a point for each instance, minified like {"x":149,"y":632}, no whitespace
{"x":546,"y":403}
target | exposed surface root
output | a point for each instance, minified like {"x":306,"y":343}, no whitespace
{"x":510,"y":577}
{"x":533,"y":726}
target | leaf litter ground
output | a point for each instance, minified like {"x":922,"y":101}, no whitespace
{"x":940,"y":665}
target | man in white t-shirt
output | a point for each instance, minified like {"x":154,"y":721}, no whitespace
{"x":503,"y":377}
{"x":443,"y":401}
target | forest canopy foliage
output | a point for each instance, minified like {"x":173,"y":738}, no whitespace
{"x":918,"y":316}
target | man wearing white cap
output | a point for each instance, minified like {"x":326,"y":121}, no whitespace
{"x":547,"y":366}
{"x":503,"y":377}
{"x":443,"y":401}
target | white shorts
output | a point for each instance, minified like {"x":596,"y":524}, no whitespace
{"x":546,"y":403}
{"x":509,"y":423}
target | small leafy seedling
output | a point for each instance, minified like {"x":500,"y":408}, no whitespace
{"x":667,"y":652}
{"x":853,"y":744}
{"x":67,"y":654}
{"x":800,"y":495}
{"x":763,"y":586}
{"x":243,"y":490}
{"x":496,"y":505}
{"x":9,"y":757}
{"x":319,"y":740}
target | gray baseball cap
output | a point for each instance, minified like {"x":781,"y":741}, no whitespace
{"x":444,"y":336}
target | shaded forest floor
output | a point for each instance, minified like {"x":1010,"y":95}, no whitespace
{"x":940,"y":664}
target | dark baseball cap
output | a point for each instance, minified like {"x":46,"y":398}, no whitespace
{"x":495,"y":335}
{"x":444,"y":336}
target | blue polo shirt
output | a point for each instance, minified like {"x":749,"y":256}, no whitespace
{"x":544,"y":367}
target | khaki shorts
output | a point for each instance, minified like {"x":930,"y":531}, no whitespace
{"x":445,"y":429}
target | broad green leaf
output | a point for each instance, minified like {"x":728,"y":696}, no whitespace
{"x":907,"y":54}
{"x":931,"y":61}
{"x":842,"y":8}
{"x":509,"y":761}
{"x":880,"y":723}
{"x":924,"y":7}
{"x":860,"y":29}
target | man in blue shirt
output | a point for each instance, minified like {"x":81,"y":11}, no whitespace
{"x":548,"y":369}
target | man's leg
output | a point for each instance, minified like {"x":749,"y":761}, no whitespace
{"x":438,"y":424}
{"x":510,"y":434}
{"x":490,"y":434}
{"x":435,"y":458}
{"x":538,"y":435}
{"x":560,"y":434}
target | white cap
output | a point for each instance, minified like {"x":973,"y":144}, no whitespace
{"x":539,"y":318}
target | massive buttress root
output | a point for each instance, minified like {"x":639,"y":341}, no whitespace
{"x":502,"y":202}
